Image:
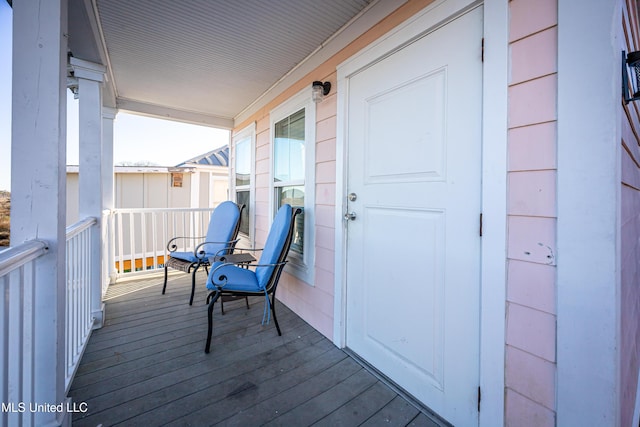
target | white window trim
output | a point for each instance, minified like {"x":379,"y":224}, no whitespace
{"x":247,"y":132}
{"x":302,"y":267}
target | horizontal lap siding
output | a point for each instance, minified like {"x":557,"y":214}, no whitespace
{"x":629,"y":236}
{"x":530,"y":369}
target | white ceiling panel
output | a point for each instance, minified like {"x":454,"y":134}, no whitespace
{"x":209,"y":57}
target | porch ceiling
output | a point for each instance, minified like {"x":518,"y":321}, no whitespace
{"x":200,"y":60}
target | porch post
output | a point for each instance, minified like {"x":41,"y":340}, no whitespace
{"x":108,"y":194}
{"x":90,"y":189}
{"x":38,"y":190}
{"x":589,"y":210}
{"x":108,"y":116}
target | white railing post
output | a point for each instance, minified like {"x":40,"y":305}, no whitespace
{"x":106,"y":250}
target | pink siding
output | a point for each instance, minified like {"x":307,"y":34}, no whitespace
{"x":630,"y":238}
{"x":531,"y":375}
{"x":533,"y":285}
{"x":532,"y":147}
{"x":529,"y":18}
{"x":530,"y":367}
{"x":524,"y":412}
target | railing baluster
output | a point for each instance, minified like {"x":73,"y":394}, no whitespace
{"x":132,"y":242}
{"x":28,"y":334}
{"x":143,"y":239}
{"x":16,"y":303}
{"x":154,"y":237}
{"x":120,"y":233}
{"x":4,"y":344}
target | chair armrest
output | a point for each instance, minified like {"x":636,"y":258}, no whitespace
{"x":172,"y":246}
{"x":200,"y":253}
{"x":223,"y":278}
{"x":247,"y":249}
{"x":234,"y":249}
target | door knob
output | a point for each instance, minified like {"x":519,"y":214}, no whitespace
{"x":350,"y":216}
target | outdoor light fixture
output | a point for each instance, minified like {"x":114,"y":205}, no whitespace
{"x":72,"y":85}
{"x":631,"y":86}
{"x":319,"y":90}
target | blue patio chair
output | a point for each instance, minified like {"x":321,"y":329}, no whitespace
{"x":222,"y":232}
{"x":261,"y":279}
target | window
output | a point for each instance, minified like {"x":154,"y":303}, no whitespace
{"x":293,"y":176}
{"x":176,"y":179}
{"x":242,"y":178}
{"x":289,"y":170}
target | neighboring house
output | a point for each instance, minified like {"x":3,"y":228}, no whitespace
{"x":470,"y":183}
{"x":201,"y":182}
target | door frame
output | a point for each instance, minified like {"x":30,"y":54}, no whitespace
{"x":493,"y":205}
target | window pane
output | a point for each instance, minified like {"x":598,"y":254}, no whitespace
{"x":289,"y":148}
{"x":242,"y":198}
{"x":295,"y":197}
{"x":243,"y":162}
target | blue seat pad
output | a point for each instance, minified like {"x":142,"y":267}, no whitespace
{"x":189,"y":256}
{"x":238,"y":279}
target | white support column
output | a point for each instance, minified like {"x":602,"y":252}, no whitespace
{"x":90,"y":185}
{"x":589,"y":177}
{"x":108,"y":117}
{"x":108,"y":194}
{"x":38,"y":189}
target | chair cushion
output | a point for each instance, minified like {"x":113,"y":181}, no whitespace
{"x":237,"y":278}
{"x":186,"y":256}
{"x":275,"y":243}
{"x":222,"y":226}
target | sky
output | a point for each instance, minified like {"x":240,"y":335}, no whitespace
{"x":136,"y":138}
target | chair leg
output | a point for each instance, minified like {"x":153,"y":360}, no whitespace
{"x":164,"y":287}
{"x":273,"y":312}
{"x":246,"y":300}
{"x":193,"y":284}
{"x":210,"y":319}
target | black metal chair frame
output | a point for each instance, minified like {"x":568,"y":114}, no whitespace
{"x":202,"y":260}
{"x":271,"y":287}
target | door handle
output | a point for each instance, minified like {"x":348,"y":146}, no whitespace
{"x":350,"y":216}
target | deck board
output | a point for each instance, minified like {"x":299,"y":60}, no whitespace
{"x":147,"y":366}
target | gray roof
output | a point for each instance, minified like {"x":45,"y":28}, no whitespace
{"x":217,"y":157}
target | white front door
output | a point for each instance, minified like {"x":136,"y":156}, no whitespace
{"x":413,"y":247}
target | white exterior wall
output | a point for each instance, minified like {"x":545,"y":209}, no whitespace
{"x":153,"y":190}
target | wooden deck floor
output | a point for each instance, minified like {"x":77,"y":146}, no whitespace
{"x":147,"y":367}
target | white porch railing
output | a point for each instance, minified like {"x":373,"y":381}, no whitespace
{"x":17,"y":358}
{"x":79,"y":317}
{"x":133,"y":242}
{"x":139,"y":236}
